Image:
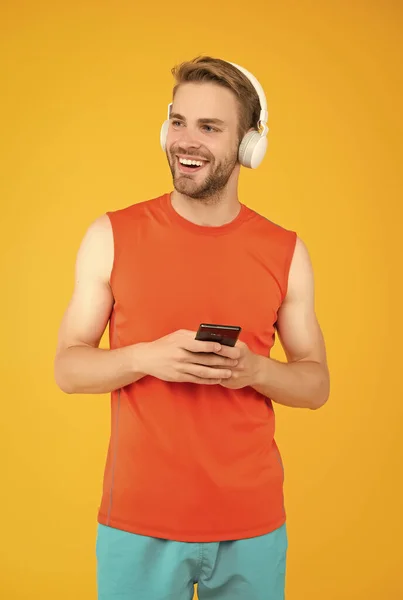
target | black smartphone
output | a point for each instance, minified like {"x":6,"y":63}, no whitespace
{"x":227,"y":335}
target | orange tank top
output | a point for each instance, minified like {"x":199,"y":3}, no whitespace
{"x":188,"y":462}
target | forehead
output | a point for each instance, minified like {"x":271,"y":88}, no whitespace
{"x":206,"y":100}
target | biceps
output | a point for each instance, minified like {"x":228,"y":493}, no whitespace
{"x":87,"y":315}
{"x":300,"y":333}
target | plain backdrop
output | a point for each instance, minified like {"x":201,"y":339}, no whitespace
{"x":84,"y":90}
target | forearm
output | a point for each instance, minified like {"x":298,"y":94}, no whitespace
{"x":87,"y":370}
{"x":299,"y":384}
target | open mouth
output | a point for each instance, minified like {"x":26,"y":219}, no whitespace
{"x":187,"y":165}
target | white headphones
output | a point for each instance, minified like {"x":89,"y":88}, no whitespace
{"x":252,"y":148}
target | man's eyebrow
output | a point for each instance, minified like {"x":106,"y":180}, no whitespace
{"x":201,"y":121}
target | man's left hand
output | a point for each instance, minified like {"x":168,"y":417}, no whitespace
{"x":246,"y":371}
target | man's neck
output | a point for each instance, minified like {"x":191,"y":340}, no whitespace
{"x":207,"y":212}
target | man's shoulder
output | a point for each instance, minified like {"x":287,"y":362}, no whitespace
{"x":266,"y":225}
{"x":137,"y":208}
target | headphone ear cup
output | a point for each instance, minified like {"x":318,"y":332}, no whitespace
{"x":163,"y":134}
{"x":252,"y":149}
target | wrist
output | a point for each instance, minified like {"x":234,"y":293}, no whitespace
{"x":259,"y":371}
{"x":139,"y":359}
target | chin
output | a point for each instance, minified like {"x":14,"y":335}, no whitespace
{"x":209,"y":187}
{"x":192,"y":190}
{"x":190,"y":193}
{"x":188,"y":186}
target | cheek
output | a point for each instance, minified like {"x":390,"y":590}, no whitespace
{"x":170,"y":140}
{"x":173,"y":137}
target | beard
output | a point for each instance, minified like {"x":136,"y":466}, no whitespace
{"x":213,"y":182}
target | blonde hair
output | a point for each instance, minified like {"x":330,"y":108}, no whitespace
{"x":215,"y":70}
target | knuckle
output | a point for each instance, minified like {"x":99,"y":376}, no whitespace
{"x":179,"y":355}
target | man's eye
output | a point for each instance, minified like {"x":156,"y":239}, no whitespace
{"x":176,"y":123}
{"x":209,"y":128}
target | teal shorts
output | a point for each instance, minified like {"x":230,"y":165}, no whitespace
{"x":137,"y":567}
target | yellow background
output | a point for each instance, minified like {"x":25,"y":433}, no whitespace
{"x":85,"y":89}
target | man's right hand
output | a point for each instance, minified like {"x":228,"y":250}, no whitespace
{"x":179,"y":357}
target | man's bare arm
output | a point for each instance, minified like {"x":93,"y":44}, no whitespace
{"x":304,"y":381}
{"x":80,"y":365}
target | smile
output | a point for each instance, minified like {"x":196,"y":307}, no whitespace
{"x":190,"y":165}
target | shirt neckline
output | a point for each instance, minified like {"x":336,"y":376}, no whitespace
{"x":244,"y":214}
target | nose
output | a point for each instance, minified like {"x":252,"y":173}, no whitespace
{"x":188,"y":138}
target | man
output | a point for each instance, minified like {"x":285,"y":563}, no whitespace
{"x":193,"y":486}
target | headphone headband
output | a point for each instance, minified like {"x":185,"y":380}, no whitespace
{"x":264,"y":114}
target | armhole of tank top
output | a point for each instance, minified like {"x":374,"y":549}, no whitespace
{"x":291,"y":244}
{"x":112,"y":273}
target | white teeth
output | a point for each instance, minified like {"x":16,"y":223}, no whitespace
{"x":185,"y":161}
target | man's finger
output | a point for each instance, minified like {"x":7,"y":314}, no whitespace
{"x":193,"y":345}
{"x":230,"y":351}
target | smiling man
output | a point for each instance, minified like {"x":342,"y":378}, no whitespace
{"x":193,"y":484}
